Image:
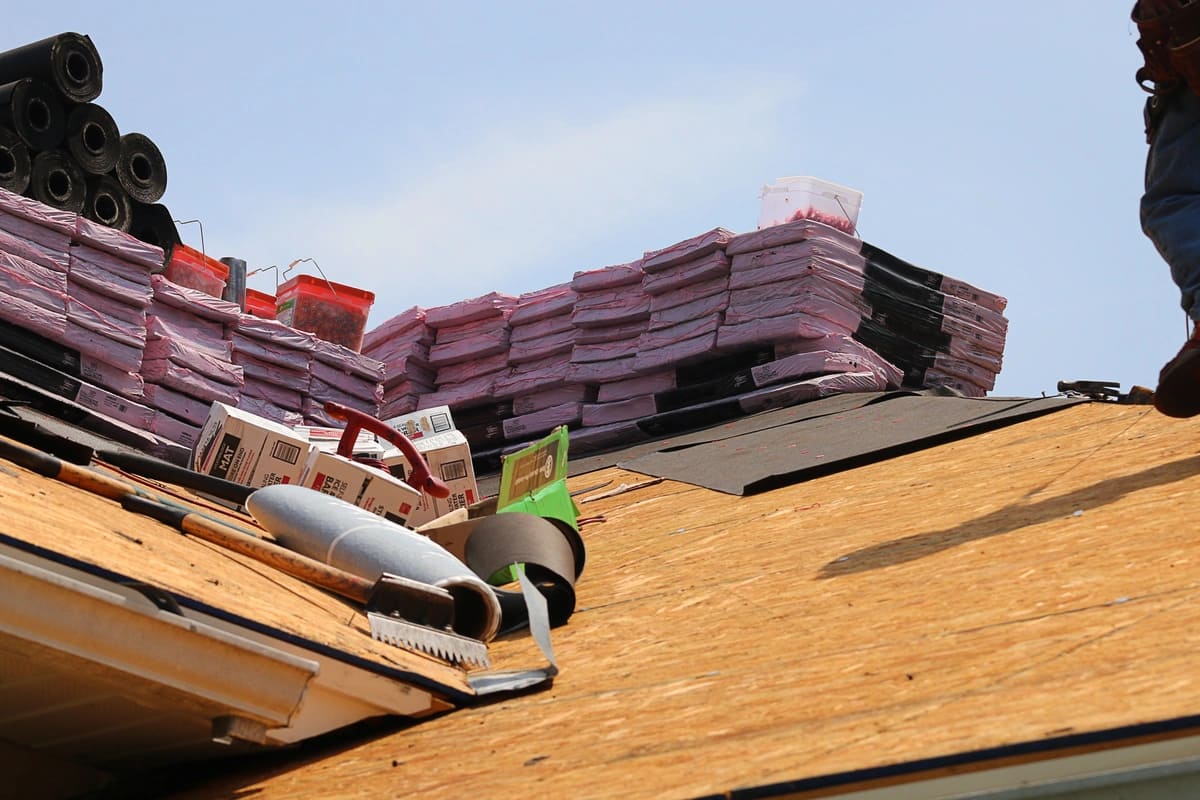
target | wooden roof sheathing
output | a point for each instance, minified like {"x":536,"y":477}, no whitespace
{"x":1026,"y":585}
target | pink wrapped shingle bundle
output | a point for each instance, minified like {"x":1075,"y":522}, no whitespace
{"x":540,"y":324}
{"x":401,"y":344}
{"x":35,"y":231}
{"x":530,"y":426}
{"x":469,"y":350}
{"x":609,"y":318}
{"x":28,"y":280}
{"x":106,"y":310}
{"x":188,"y":359}
{"x":275,"y":360}
{"x":353,"y":380}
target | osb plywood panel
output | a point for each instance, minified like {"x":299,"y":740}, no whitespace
{"x":96,"y":530}
{"x":1037,"y":580}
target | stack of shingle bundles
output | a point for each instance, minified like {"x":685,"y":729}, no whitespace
{"x":541,"y":336}
{"x":276,"y":360}
{"x":188,"y":359}
{"x":343,"y":376}
{"x":108,"y":283}
{"x":940,"y":330}
{"x":801,"y":280}
{"x":402,"y":345}
{"x":37,"y":241}
{"x":469,"y":350}
{"x":611,"y":313}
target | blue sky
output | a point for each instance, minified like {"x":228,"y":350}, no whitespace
{"x":437,"y":152}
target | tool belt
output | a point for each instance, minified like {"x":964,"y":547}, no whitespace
{"x":1169,"y":38}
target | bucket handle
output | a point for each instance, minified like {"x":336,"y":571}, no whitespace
{"x":421,"y":478}
{"x":328,"y":282}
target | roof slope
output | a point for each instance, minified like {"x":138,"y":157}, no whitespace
{"x":1027,"y":585}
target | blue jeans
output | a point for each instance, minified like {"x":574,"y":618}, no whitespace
{"x":1170,"y":207}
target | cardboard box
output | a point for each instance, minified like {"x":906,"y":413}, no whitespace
{"x":364,"y":486}
{"x":328,"y":439}
{"x":248,"y":449}
{"x":424,"y":423}
{"x":449,"y":457}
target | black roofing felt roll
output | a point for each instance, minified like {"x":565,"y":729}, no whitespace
{"x":153,"y":224}
{"x":92,"y":138}
{"x":107,"y":203}
{"x":34,"y":112}
{"x":15,"y":164}
{"x":67,"y":62}
{"x":141,"y":168}
{"x":58,"y":181}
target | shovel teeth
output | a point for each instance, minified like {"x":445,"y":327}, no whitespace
{"x":446,"y":645}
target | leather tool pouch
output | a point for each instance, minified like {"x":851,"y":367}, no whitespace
{"x":1154,"y":41}
{"x":1170,"y":45}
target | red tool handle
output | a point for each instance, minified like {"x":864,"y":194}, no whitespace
{"x":421,"y":478}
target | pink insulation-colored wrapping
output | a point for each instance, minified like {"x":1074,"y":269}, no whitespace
{"x":532,"y":376}
{"x":99,"y":279}
{"x":314,"y":414}
{"x":135,"y":273}
{"x":935,"y":377}
{"x":552,"y":301}
{"x":603,"y":351}
{"x":687,"y":250}
{"x":105,"y":324}
{"x":536,"y":401}
{"x":696,"y":309}
{"x":547,"y":326}
{"x":408,"y":350}
{"x":460,"y":394}
{"x":593,"y":280}
{"x":274,"y":393}
{"x":407,"y":325}
{"x":409,"y":369}
{"x":601,"y":371}
{"x":945,"y":364}
{"x":682,"y":352}
{"x":611,"y":333}
{"x":398,"y":406}
{"x":193,"y":301}
{"x":323,"y":392}
{"x":124,"y":382}
{"x":405,"y":388}
{"x":800,"y":230}
{"x":268,"y":410}
{"x":125,"y":356}
{"x":118,"y":243}
{"x":544,"y":347}
{"x":135,"y":315}
{"x":22,"y":278}
{"x":114,"y":406}
{"x":688,"y":274}
{"x":650,"y":383}
{"x":177,"y":404}
{"x":806,"y":365}
{"x":275,"y":333}
{"x":343,"y":358}
{"x":473,"y":347}
{"x":988,"y":319}
{"x":789,"y":394}
{"x":40,"y":254}
{"x":42,"y":321}
{"x":801,"y":269}
{"x":457,"y":373}
{"x":353,"y":384}
{"x":804,"y":302}
{"x":619,"y":411}
{"x":205,"y":362}
{"x":39,"y":214}
{"x":295,"y":379}
{"x":542,"y":421}
{"x":187,"y":332}
{"x":263,"y":350}
{"x":450,"y":334}
{"x":492,"y":304}
{"x":964,"y":290}
{"x":175,"y":430}
{"x":846,"y":345}
{"x":758,"y":259}
{"x":698,"y":291}
{"x":674,"y":334}
{"x":167,"y":373}
{"x":169,"y":321}
{"x":801,"y":325}
{"x":611,"y":307}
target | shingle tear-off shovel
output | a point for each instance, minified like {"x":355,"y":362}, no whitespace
{"x":356,"y":541}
